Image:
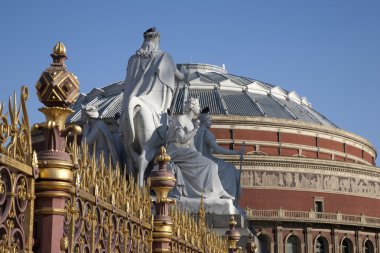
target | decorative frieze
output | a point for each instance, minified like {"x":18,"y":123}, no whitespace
{"x":309,"y":177}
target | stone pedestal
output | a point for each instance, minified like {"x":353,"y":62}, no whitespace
{"x":217,"y":216}
{"x":211,"y":206}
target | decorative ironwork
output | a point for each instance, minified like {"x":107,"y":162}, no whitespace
{"x":108,"y":212}
{"x":193,"y":235}
{"x":15,"y":138}
{"x":16,"y":181}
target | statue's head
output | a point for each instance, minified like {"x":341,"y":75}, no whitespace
{"x":150,"y":44}
{"x":192,"y":104}
{"x":205,"y":117}
{"x":152,"y":34}
{"x":90,"y":111}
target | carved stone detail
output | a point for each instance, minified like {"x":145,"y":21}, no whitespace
{"x":311,"y":179}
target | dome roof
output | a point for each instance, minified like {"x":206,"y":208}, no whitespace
{"x":223,"y":93}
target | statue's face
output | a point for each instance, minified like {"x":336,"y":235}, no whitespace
{"x":196,"y":109}
{"x":208,"y":121}
{"x":156,"y":40}
{"x":91,"y":112}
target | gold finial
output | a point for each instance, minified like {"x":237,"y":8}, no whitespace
{"x":59,"y":49}
{"x":57,"y":87}
{"x":251,"y":245}
{"x":232,"y":222}
{"x":232,"y":235}
{"x":162,"y":157}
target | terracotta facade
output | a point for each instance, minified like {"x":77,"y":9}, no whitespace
{"x":307,"y":188}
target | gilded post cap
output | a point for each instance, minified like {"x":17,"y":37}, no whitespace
{"x":57,"y":87}
{"x":59,"y":49}
{"x":162,"y":156}
{"x":251,"y":245}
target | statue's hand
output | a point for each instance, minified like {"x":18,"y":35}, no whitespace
{"x":197,"y":124}
{"x":242,"y":151}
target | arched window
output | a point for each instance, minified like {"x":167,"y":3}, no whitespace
{"x":293,"y":245}
{"x":321,"y":245}
{"x":368,"y":247}
{"x":265,"y":243}
{"x":347,"y":246}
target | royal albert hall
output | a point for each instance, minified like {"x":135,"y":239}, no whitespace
{"x":307,"y":185}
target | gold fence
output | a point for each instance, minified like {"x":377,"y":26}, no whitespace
{"x":191,"y":235}
{"x":16,"y":178}
{"x":108,"y":212}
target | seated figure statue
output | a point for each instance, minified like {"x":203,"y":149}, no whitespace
{"x":196,"y":175}
{"x":206,"y":144}
{"x":97,"y":133}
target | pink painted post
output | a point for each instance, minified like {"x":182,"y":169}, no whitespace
{"x":57,"y":89}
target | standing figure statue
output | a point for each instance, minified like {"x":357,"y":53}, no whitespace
{"x":196,"y":175}
{"x":148,"y":93}
{"x":206,"y":144}
{"x":97,"y":133}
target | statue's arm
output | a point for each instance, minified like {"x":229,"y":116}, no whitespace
{"x":183,"y":137}
{"x":129,"y":85}
{"x":179,"y":76}
{"x":86,"y":129}
{"x":91,"y":136}
{"x":210,"y":139}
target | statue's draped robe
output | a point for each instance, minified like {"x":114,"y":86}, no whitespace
{"x":229,"y":176}
{"x":151,"y":79}
{"x":196,"y":175}
{"x":149,"y":83}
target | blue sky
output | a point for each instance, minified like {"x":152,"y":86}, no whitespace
{"x":328,"y":51}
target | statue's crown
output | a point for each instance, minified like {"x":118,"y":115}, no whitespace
{"x":205,"y":110}
{"x":151,"y":33}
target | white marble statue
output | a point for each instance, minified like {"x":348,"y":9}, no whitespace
{"x":97,"y":133}
{"x":206,"y":144}
{"x":196,"y":175}
{"x":148,"y":93}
